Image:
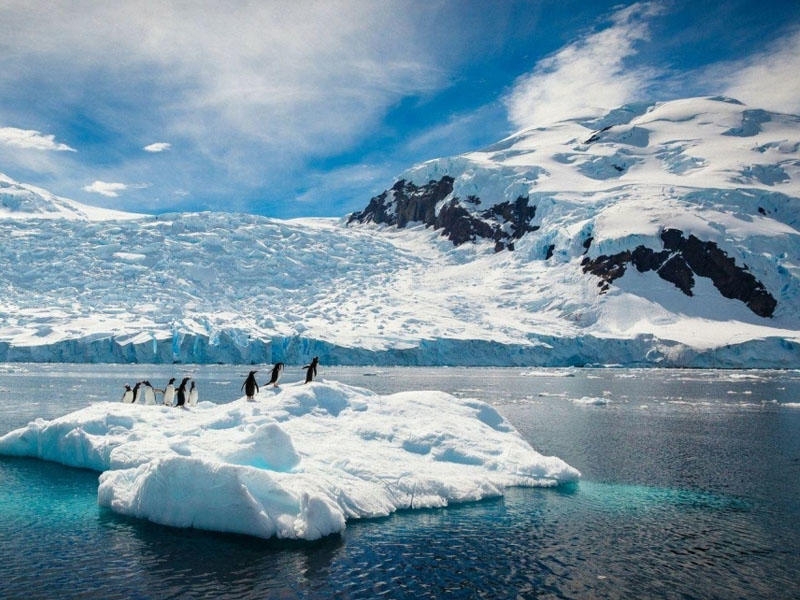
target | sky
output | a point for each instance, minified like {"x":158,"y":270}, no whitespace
{"x":298,"y":109}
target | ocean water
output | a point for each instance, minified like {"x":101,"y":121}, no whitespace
{"x":690,"y":489}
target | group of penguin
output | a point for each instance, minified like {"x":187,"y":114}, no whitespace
{"x":170,"y":393}
{"x":189,"y":397}
{"x":250,"y":385}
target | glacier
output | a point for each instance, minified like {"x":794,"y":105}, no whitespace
{"x":298,"y":462}
{"x":531,"y":254}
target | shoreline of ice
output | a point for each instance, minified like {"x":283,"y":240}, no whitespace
{"x":297,"y":463}
{"x":774,"y":352}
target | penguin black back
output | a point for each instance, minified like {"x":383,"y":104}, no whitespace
{"x":182,"y":392}
{"x":276,"y":374}
{"x":136,"y":391}
{"x":311,"y":369}
{"x":250,"y":386}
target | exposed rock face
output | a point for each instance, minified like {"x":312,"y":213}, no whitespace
{"x":458,"y":219}
{"x":405,"y":203}
{"x":682,"y":259}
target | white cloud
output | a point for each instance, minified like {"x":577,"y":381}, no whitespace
{"x":307,"y":77}
{"x":769,"y":79}
{"x":30,"y":139}
{"x":587,"y":77}
{"x":157,"y":147}
{"x":104,"y":188}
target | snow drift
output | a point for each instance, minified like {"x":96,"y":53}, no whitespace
{"x":296,"y":463}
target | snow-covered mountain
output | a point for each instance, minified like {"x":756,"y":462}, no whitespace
{"x":22,"y":201}
{"x":656,"y":235}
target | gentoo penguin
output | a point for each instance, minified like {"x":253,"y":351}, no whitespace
{"x":182,"y":392}
{"x":311,"y":369}
{"x":169,"y":392}
{"x":276,"y":374}
{"x":136,"y":392}
{"x":149,"y":393}
{"x":127,"y":395}
{"x":193,"y":395}
{"x":250,"y":386}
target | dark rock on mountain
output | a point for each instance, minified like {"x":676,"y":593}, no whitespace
{"x":459,"y":225}
{"x":682,"y":259}
{"x":707,"y":260}
{"x":517,"y":214}
{"x":677,"y":272}
{"x":405,"y":203}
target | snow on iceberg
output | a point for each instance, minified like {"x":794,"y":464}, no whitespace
{"x":296,"y":463}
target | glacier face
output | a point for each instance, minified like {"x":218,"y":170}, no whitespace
{"x":624,"y":240}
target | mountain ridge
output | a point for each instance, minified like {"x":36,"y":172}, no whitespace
{"x":658,"y":235}
{"x":21,"y":201}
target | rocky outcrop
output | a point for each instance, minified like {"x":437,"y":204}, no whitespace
{"x":405,"y":203}
{"x":459,"y":220}
{"x":681,"y":259}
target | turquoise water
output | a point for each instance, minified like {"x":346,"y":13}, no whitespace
{"x":691,"y":489}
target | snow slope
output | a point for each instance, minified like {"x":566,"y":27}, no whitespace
{"x":296,"y":463}
{"x":240,"y":288}
{"x":23,"y":201}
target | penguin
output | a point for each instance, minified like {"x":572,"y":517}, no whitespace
{"x":311,"y":369}
{"x":250,"y":386}
{"x":276,"y":374}
{"x":127,"y":395}
{"x":182,"y":392}
{"x":149,"y":393}
{"x":136,"y":392}
{"x":169,"y":392}
{"x":193,"y":395}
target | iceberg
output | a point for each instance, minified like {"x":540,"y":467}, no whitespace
{"x":295,"y":463}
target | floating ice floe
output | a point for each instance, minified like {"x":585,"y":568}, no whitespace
{"x":591,"y":401}
{"x":296,"y":463}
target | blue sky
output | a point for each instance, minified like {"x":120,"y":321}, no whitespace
{"x":291,"y":109}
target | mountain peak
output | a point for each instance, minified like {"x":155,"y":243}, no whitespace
{"x":23,"y":201}
{"x":721,"y":176}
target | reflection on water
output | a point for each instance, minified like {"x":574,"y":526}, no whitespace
{"x":691,"y":486}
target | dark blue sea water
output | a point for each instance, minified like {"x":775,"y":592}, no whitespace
{"x":690,"y":489}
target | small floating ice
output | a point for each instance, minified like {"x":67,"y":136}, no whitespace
{"x":591,"y":401}
{"x":296,"y":463}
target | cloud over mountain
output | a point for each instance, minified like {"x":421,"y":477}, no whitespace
{"x":588,"y":76}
